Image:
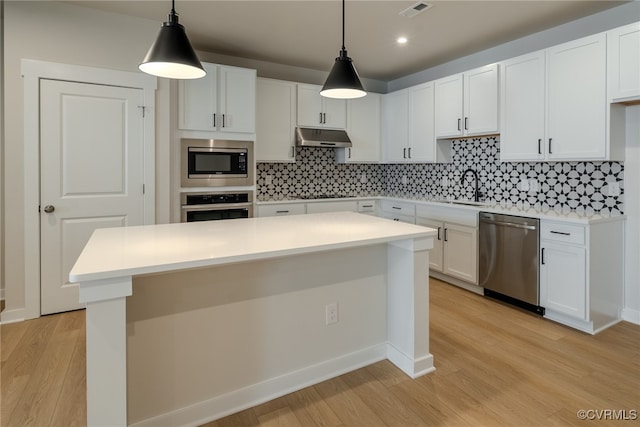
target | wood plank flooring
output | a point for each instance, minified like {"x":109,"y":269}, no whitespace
{"x":496,"y":366}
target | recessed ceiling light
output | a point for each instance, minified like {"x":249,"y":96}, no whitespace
{"x":401,"y":40}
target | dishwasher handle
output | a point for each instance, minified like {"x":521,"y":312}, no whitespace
{"x":509,"y":224}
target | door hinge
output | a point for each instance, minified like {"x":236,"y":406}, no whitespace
{"x":144,"y":110}
{"x":143,"y":188}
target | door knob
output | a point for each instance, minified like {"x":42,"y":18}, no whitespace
{"x":49,"y":208}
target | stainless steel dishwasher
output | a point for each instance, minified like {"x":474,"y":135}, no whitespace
{"x":508,"y":266}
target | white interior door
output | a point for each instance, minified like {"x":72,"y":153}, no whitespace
{"x":91,"y":172}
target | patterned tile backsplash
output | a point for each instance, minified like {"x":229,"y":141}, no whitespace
{"x":581,"y":186}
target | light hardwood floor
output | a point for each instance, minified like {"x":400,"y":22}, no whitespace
{"x":496,"y":366}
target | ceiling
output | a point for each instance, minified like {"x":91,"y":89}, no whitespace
{"x":307,"y":33}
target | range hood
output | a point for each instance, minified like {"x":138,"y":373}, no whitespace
{"x":325,"y":138}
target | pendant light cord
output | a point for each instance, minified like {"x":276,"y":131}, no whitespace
{"x":173,"y":7}
{"x":343,"y":48}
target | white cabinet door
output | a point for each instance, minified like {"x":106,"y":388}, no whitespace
{"x":623,"y":61}
{"x":237,"y":99}
{"x":449,"y":105}
{"x":333,"y":206}
{"x":436,"y":254}
{"x":481,"y":101}
{"x":421,"y":123}
{"x":461,"y":252}
{"x":275,"y":120}
{"x":576,"y":99}
{"x":364,"y":129}
{"x":317,"y":111}
{"x":522,"y":107}
{"x":395,"y":107}
{"x":562,"y":279}
{"x":198,"y":101}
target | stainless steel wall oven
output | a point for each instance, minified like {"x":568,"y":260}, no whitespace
{"x":212,"y":206}
{"x":216,"y":163}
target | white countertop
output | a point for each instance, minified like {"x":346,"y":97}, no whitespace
{"x":130,"y":251}
{"x":508,"y":208}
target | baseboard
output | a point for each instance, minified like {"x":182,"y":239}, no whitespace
{"x":631,"y":315}
{"x":411,"y":367}
{"x":12,"y":316}
{"x":457,"y":282}
{"x":581,"y":325}
{"x":256,"y":394}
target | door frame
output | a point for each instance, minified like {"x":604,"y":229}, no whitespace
{"x":32,"y":72}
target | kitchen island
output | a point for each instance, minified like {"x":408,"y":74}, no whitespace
{"x":190,"y":322}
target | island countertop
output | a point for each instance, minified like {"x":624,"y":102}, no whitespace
{"x":130,"y":251}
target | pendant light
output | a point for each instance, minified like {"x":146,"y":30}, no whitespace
{"x":171,"y":55}
{"x":343,"y":81}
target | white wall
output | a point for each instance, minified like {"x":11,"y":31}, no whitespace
{"x":63,"y":33}
{"x":632,"y":210}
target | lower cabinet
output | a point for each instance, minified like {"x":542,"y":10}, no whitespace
{"x":332,"y":206}
{"x":282,"y":209}
{"x":366,"y":206}
{"x":581,"y":273}
{"x":455,"y":250}
{"x":398,"y":211}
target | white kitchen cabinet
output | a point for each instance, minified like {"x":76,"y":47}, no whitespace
{"x":332,"y":206}
{"x":581,"y":273}
{"x":275,"y":120}
{"x":522,"y":107}
{"x":282,"y":209}
{"x":315,"y":110}
{"x":408,"y":122}
{"x":467,"y":104}
{"x":395,"y":113}
{"x":364,"y":129}
{"x":367,"y":207}
{"x":436,"y":254}
{"x":576,"y":100}
{"x":623,"y":63}
{"x":398,"y":211}
{"x":224,"y":100}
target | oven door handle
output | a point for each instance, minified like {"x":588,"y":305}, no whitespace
{"x":216,"y":206}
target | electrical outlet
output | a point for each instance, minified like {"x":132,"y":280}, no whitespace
{"x":363,"y":178}
{"x":331,"y":313}
{"x":268,"y":180}
{"x":404,"y":179}
{"x":613,"y":189}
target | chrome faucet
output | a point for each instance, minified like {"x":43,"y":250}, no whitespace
{"x":476,"y":193}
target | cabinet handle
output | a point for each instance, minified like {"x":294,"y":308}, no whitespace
{"x":550,"y":139}
{"x":349,"y":152}
{"x":325,"y":118}
{"x":542,"y":256}
{"x":466,"y":119}
{"x":320,"y":118}
{"x":396,"y":219}
{"x":439,"y":233}
{"x":282,"y":212}
{"x":214,"y":119}
{"x":409,"y":152}
{"x":560,"y":232}
{"x":367,"y":206}
{"x":539,"y":145}
{"x":223,"y":120}
{"x":293,"y":151}
{"x":395,"y":207}
{"x":446,"y":237}
{"x":459,"y":125}
{"x":404,"y":153}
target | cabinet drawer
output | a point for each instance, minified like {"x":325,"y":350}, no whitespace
{"x":562,"y":232}
{"x":366,"y":206}
{"x":282,"y":209}
{"x":409,"y":219}
{"x":339,"y":206}
{"x":398,"y":208}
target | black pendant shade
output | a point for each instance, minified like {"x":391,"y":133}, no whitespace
{"x":343,"y":81}
{"x":171,"y":55}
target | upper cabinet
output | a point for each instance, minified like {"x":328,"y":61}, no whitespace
{"x":408,"y":122}
{"x":576,"y":110}
{"x":467,"y":104}
{"x":623,"y":51}
{"x":223,"y":101}
{"x":364,"y":130}
{"x":554,"y":106}
{"x":315,"y":110}
{"x":275,"y":120}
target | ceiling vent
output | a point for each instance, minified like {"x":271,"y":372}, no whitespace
{"x":415,"y":9}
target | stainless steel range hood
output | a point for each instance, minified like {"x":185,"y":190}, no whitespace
{"x":325,"y":138}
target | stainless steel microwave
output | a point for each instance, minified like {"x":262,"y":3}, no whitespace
{"x":216,"y":163}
